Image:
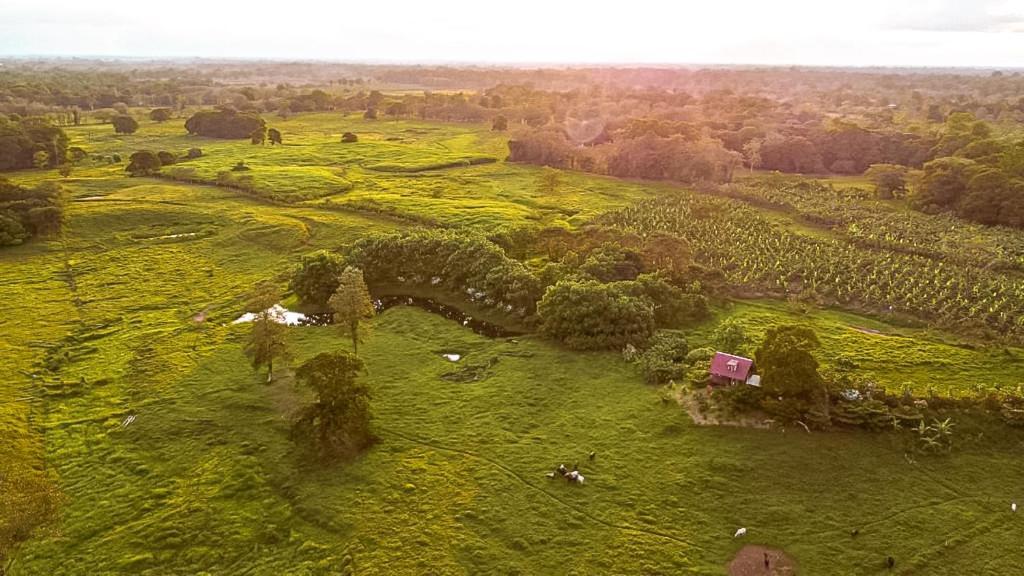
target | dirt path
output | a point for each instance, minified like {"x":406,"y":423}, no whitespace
{"x":750,"y":561}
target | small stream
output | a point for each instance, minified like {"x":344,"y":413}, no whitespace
{"x":478,"y":326}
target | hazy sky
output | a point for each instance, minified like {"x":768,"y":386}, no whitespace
{"x":816,"y":32}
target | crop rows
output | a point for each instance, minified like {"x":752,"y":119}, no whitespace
{"x":879,"y":224}
{"x":755,"y":254}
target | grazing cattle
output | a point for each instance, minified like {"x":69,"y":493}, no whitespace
{"x":740,"y":532}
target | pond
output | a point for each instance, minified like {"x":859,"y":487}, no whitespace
{"x":282,"y":315}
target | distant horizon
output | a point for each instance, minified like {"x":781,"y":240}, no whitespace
{"x":987,"y":34}
{"x":503,"y":64}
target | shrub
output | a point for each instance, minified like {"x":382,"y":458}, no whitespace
{"x":224,"y":123}
{"x":160,"y":114}
{"x":28,"y":212}
{"x":21,"y":139}
{"x":665,"y":358}
{"x":348,"y":138}
{"x":143,"y":163}
{"x":588,"y":315}
{"x":316,"y":278}
{"x":166,"y":158}
{"x":194,"y":153}
{"x":124,"y":124}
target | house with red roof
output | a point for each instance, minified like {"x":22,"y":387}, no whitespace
{"x":731,"y":369}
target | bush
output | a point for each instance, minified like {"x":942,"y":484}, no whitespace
{"x":457,"y":262}
{"x":338,"y":422}
{"x":224,"y":123}
{"x":194,"y":153}
{"x":160,"y":114}
{"x":28,"y":212}
{"x":21,"y":139}
{"x":348,"y":138}
{"x":588,"y":315}
{"x":166,"y":158}
{"x":143,"y":163}
{"x":317,"y":277}
{"x":665,"y":358}
{"x":124,"y":124}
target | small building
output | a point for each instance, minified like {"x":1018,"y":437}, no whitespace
{"x":730,"y":369}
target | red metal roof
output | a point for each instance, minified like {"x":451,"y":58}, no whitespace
{"x":731,"y":367}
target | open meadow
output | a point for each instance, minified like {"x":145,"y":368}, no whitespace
{"x":124,"y":372}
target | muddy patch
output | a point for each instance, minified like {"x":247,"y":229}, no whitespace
{"x":755,"y":560}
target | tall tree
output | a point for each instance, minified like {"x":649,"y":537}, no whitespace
{"x":351,"y":304}
{"x":267,"y":339}
{"x":259,"y":135}
{"x":786,"y":362}
{"x":752,"y":153}
{"x":339,"y":420}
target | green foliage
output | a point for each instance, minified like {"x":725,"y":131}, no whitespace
{"x":28,"y":212}
{"x":258,"y":135}
{"x":267,"y":340}
{"x":665,"y":359}
{"x":548,"y":180}
{"x":161,"y":114}
{"x":143,"y":163}
{"x":786,"y":362}
{"x":224,"y":124}
{"x":317,"y":277}
{"x":588,"y":315}
{"x":611,"y":262}
{"x":459,"y":263}
{"x":338,"y":422}
{"x":901,"y":257}
{"x":166,"y":158}
{"x":351,"y":305}
{"x":124,"y":124}
{"x":730,"y":337}
{"x":890,"y":180}
{"x":20,"y":140}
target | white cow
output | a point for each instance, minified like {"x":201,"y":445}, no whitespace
{"x":740,"y":532}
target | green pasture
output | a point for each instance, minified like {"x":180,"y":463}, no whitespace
{"x":205,"y":479}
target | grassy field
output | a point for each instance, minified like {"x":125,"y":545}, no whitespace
{"x":205,"y":479}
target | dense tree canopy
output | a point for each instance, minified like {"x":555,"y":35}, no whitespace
{"x":124,"y":124}
{"x":224,"y":123}
{"x":338,"y":421}
{"x":588,"y":315}
{"x":317,"y":277}
{"x":28,"y":212}
{"x":20,"y":140}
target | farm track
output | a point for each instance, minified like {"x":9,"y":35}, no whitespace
{"x":515,"y":475}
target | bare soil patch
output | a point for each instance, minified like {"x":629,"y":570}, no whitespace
{"x":750,"y":561}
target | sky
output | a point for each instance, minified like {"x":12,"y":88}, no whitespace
{"x":938,"y":33}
